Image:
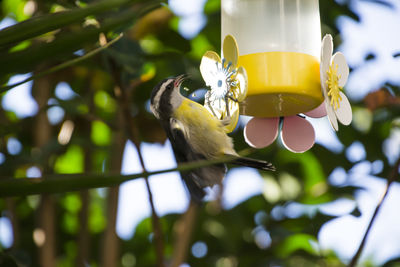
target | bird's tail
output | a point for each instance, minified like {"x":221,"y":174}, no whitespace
{"x":254,"y":163}
{"x":196,"y":191}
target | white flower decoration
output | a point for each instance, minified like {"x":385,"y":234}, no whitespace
{"x":227,"y":81}
{"x":334,"y":72}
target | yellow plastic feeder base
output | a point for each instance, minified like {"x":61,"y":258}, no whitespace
{"x":281,"y":84}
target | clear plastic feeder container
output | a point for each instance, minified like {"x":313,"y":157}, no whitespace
{"x":279,"y":46}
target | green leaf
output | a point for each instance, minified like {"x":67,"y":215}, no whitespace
{"x":70,"y":223}
{"x":97,"y":221}
{"x":104,"y":101}
{"x":60,"y":48}
{"x":63,"y":65}
{"x":313,"y":173}
{"x":65,"y":44}
{"x":72,"y":202}
{"x":212,"y":6}
{"x":15,"y":9}
{"x":314,"y":182}
{"x":174,"y":41}
{"x":296,"y":242}
{"x":200,"y":45}
{"x":101,"y":133}
{"x":46,"y":23}
{"x":71,"y":161}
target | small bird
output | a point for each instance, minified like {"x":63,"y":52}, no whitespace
{"x":195,"y":134}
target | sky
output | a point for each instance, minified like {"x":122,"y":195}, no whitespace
{"x":377,"y":34}
{"x":342,"y":234}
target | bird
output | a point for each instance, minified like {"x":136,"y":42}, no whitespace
{"x":195,"y":134}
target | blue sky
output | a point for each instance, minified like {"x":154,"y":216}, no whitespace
{"x":378,"y":34}
{"x":342,"y":234}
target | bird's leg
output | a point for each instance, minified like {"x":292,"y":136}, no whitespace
{"x":207,"y":100}
{"x":227,"y":106}
{"x":226,"y":121}
{"x":231,"y":97}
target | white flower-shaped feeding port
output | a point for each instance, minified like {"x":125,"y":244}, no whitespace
{"x":228,"y":83}
{"x":334,"y":72}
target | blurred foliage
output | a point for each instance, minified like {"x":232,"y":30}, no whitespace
{"x":118,"y":80}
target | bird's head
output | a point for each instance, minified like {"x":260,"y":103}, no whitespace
{"x":165,"y":97}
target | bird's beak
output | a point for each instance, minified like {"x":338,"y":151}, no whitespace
{"x":179,"y":80}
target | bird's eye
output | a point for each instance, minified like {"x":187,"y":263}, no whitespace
{"x":169,"y":86}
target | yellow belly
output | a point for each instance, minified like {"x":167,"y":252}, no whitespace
{"x":205,"y":132}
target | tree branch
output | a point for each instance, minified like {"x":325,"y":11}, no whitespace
{"x":394,"y":173}
{"x":132,"y":132}
{"x":42,"y":132}
{"x":158,"y":235}
{"x":183,"y":233}
{"x":61,"y":183}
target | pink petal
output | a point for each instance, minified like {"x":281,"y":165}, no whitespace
{"x":297,"y":134}
{"x":261,"y":132}
{"x":318,"y":112}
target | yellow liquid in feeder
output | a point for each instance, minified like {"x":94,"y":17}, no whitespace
{"x":281,"y":84}
{"x":279,"y":46}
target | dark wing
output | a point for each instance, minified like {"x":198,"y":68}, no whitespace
{"x":184,"y":153}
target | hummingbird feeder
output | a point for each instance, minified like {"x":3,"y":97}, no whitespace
{"x":279,"y":43}
{"x":273,"y":67}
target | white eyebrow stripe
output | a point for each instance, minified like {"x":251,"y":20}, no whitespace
{"x":156,"y":100}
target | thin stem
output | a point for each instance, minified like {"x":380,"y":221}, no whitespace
{"x":124,"y":94}
{"x":132,"y":135}
{"x":183,"y":233}
{"x":394,"y":173}
{"x":158,"y":236}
